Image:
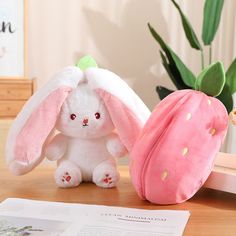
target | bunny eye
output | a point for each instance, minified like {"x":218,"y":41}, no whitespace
{"x":72,"y":116}
{"x":97,"y":115}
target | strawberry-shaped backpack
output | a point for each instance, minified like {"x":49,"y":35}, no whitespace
{"x":175,"y":151}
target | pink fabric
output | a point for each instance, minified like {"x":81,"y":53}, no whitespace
{"x":30,"y":140}
{"x":160,"y":172}
{"x":126,"y":123}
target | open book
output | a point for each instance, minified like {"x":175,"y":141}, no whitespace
{"x":28,"y":217}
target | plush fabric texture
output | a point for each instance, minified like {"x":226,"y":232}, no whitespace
{"x":26,"y":148}
{"x":101,"y":79}
{"x":114,"y":146}
{"x":175,"y":152}
{"x":98,"y":116}
{"x":127,"y":124}
{"x":57,"y":147}
{"x":68,"y":78}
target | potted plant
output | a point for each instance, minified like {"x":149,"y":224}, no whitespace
{"x":180,"y":74}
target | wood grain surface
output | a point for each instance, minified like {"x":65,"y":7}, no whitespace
{"x":212,"y":212}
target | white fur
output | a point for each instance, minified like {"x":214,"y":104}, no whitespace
{"x":84,"y":153}
{"x":84,"y":103}
{"x":100,"y":78}
{"x":85,"y":147}
{"x":115,"y":146}
{"x":70,"y":76}
{"x":56,"y":148}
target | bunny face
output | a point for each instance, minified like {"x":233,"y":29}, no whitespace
{"x":84,"y":115}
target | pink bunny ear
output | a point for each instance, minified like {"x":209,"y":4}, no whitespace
{"x":127,"y":110}
{"x":36,"y":121}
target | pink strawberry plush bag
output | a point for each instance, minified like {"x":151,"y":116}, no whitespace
{"x":175,"y":152}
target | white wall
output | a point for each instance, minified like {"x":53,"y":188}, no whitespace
{"x":116,"y":34}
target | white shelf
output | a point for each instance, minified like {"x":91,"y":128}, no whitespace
{"x":223,"y":177}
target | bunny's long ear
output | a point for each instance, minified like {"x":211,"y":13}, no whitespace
{"x":36,"y":121}
{"x":127,"y":111}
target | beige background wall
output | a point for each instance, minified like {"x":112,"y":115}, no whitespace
{"x":115,"y":33}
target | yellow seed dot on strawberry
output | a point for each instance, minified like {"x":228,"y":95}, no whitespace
{"x":212,"y":131}
{"x":164,"y":175}
{"x":189,"y":116}
{"x":184,"y":151}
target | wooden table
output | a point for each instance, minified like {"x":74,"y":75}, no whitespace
{"x":212,"y":212}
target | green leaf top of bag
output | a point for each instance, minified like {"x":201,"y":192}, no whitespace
{"x":86,"y":62}
{"x":211,"y":80}
{"x":211,"y":19}
{"x":188,"y":29}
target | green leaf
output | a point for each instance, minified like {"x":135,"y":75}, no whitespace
{"x":175,"y":62}
{"x":211,"y":80}
{"x":211,"y":19}
{"x":197,"y":83}
{"x":163,"y":92}
{"x":187,"y":76}
{"x":226,"y":98}
{"x":188,"y":29}
{"x":158,"y":38}
{"x":86,"y":62}
{"x":231,"y":77}
{"x":173,"y":73}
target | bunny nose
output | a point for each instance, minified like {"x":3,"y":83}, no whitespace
{"x":85,"y":121}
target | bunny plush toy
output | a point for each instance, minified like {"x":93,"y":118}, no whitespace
{"x":98,"y":117}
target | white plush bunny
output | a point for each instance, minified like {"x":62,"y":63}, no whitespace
{"x":98,"y":116}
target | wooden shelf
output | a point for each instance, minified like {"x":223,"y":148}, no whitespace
{"x":13,"y":95}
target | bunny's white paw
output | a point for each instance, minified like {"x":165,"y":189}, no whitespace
{"x":106,"y":176}
{"x":68,"y":175}
{"x":115,"y":147}
{"x":56,"y":148}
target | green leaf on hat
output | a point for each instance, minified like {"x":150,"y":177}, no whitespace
{"x":86,"y":62}
{"x":211,"y":80}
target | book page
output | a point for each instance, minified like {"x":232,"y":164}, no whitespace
{"x":85,"y":220}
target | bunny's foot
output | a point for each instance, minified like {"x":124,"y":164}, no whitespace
{"x":68,"y":175}
{"x":106,"y":175}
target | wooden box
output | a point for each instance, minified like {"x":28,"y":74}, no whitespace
{"x":13,"y":95}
